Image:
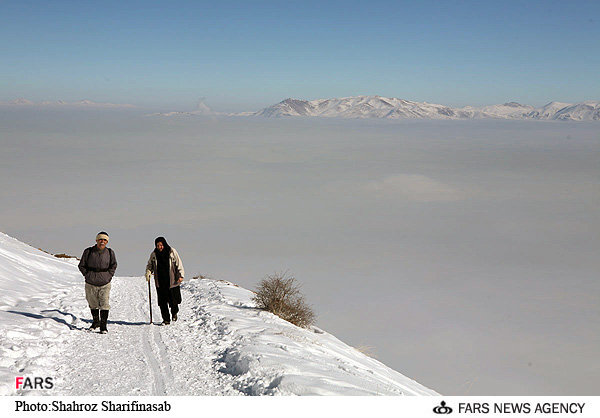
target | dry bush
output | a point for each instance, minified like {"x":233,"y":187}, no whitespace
{"x":367,"y":350}
{"x":202,"y":277}
{"x":281,"y":295}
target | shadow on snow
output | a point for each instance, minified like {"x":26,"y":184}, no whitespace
{"x":64,"y":322}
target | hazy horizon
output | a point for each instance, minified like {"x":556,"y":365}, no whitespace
{"x":230,"y":109}
{"x":484,"y":233}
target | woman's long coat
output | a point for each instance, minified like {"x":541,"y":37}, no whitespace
{"x":175,"y":268}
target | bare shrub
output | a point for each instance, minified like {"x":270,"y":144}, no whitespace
{"x":367,"y":350}
{"x":202,"y":277}
{"x":63,"y":256}
{"x":281,"y":296}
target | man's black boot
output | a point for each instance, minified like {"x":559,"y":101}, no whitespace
{"x":103,"y":320}
{"x":95,"y":318}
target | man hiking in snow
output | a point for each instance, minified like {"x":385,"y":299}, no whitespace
{"x":98,"y":265}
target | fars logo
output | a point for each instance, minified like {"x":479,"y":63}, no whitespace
{"x":34,"y":383}
{"x":442,"y":409}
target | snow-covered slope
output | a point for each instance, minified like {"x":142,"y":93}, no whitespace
{"x":221,"y":345}
{"x":358,"y":107}
{"x":393,"y":108}
{"x":548,"y":111}
{"x":589,"y":110}
{"x":510,"y":110}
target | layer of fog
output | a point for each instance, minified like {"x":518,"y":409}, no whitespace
{"x":464,"y":253}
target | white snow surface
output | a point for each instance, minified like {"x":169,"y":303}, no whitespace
{"x":221,"y":344}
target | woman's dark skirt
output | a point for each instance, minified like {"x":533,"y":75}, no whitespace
{"x":168,"y":296}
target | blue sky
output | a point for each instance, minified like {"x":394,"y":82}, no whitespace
{"x":246,"y":55}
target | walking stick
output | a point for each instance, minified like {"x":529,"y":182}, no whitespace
{"x":150,"y":301}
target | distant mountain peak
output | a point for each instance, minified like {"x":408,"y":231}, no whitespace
{"x":21,"y":101}
{"x":203,"y":107}
{"x":513,"y":104}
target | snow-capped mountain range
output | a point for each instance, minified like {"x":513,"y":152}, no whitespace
{"x":377,"y":107}
{"x":220,"y":345}
{"x":368,"y":107}
{"x":393,"y":108}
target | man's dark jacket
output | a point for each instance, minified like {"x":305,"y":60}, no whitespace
{"x":98,"y":267}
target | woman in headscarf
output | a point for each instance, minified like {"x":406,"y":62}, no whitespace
{"x":168,"y":272}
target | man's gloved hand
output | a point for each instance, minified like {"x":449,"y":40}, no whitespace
{"x":148,"y":276}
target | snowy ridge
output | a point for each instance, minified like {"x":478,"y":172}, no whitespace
{"x":393,"y":108}
{"x":221,"y":345}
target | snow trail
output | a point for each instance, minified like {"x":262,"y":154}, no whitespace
{"x":136,"y":357}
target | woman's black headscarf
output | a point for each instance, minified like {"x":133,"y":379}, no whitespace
{"x":162,"y":260}
{"x":166,"y":250}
